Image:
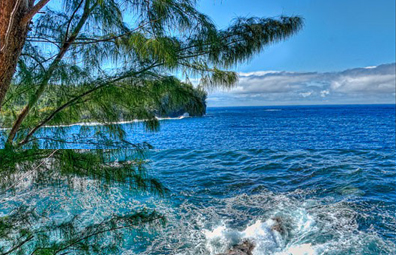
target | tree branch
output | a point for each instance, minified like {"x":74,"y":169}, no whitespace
{"x":111,"y":38}
{"x":47,"y":76}
{"x":19,"y":245}
{"x":71,"y":19}
{"x":35,"y":9}
{"x":75,"y":99}
{"x":105,"y":230}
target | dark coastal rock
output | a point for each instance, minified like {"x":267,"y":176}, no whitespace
{"x":245,"y":248}
{"x":180,"y":113}
{"x":195,"y":106}
{"x":278,"y":226}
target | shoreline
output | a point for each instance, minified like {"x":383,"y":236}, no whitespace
{"x":110,"y":123}
{"x":117,"y":122}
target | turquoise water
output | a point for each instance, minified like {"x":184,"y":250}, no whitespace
{"x":328,"y":172}
{"x":331,"y":201}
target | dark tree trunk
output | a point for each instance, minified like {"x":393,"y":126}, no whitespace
{"x":13,"y":33}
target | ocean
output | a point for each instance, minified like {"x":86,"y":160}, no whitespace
{"x":327,"y":173}
{"x":276,"y":128}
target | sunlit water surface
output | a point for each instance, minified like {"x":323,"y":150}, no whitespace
{"x":327,"y":172}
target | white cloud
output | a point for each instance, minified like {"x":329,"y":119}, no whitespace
{"x":323,"y":93}
{"x":373,"y":84}
{"x":306,"y":94}
{"x":257,"y":73}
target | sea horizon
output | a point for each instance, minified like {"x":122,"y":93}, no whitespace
{"x":286,"y":105}
{"x":187,"y":127}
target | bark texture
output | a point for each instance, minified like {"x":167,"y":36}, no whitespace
{"x":13,"y":33}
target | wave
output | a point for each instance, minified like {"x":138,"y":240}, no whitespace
{"x":309,"y":226}
{"x":208,"y":221}
{"x":118,"y":122}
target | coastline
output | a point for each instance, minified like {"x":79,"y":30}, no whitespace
{"x":111,"y":123}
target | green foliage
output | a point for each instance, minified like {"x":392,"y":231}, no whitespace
{"x":107,"y":167}
{"x":117,"y":58}
{"x":30,"y":229}
{"x":125,"y":100}
{"x":69,"y":235}
{"x":105,"y":61}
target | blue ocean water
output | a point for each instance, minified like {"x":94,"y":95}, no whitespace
{"x":288,"y":127}
{"x":278,"y":128}
{"x":327,"y":172}
{"x":338,"y":201}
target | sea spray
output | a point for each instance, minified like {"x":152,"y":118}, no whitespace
{"x":311,"y":226}
{"x":267,"y":236}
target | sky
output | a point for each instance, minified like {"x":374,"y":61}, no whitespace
{"x":345,"y":53}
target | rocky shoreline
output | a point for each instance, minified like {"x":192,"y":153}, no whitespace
{"x":246,"y":247}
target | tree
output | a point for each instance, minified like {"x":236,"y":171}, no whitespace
{"x":110,"y":58}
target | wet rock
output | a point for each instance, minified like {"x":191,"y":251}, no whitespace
{"x":278,"y":226}
{"x":244,"y":248}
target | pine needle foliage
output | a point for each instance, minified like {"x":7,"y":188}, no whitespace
{"x":26,"y":228}
{"x":122,"y":56}
{"x":50,"y":237}
{"x":105,"y":61}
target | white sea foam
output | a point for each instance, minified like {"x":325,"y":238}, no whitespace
{"x":273,"y":110}
{"x":302,"y":249}
{"x":311,"y":226}
{"x":262,"y":234}
{"x":117,"y":122}
{"x":111,"y":123}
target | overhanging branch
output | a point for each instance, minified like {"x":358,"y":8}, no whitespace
{"x":75,"y":99}
{"x":35,"y":9}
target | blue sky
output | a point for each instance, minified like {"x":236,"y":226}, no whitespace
{"x":339,"y":39}
{"x":325,"y":63}
{"x":338,"y":34}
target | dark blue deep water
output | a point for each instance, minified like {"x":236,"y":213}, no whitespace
{"x":277,"y":128}
{"x":328,"y":172}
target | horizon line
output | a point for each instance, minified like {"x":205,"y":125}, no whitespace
{"x":393,"y":104}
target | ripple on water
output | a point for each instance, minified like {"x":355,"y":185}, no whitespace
{"x":330,"y":201}
{"x":309,"y":226}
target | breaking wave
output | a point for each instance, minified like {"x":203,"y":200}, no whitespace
{"x":280,"y":224}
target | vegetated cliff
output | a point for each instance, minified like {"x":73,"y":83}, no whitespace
{"x":195,"y":105}
{"x":176,"y":100}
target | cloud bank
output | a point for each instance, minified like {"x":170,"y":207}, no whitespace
{"x":369,"y":85}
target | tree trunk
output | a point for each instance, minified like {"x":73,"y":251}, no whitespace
{"x":13,"y":33}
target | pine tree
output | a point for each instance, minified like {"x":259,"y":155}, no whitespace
{"x":107,"y":59}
